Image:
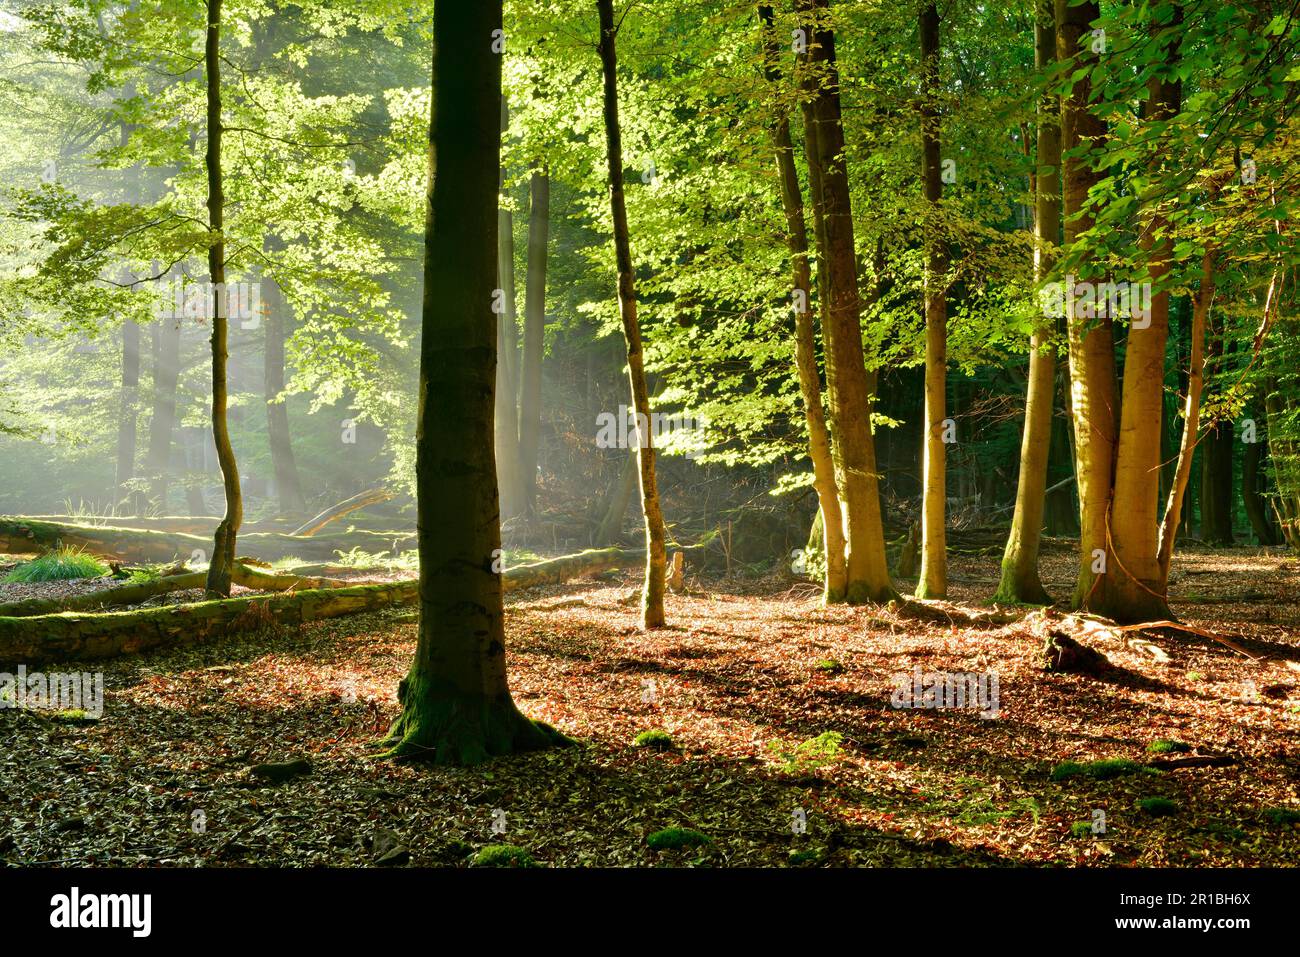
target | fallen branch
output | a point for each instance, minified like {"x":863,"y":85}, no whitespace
{"x":369,"y":497}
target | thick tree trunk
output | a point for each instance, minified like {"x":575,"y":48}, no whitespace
{"x":506,"y":410}
{"x":223,"y":551}
{"x":1020,"y":580}
{"x":848,"y":386}
{"x":162,"y":422}
{"x":805,"y":345}
{"x":128,"y":414}
{"x":1092,"y":354}
{"x":652,"y":602}
{"x":530,"y":386}
{"x":456,"y":703}
{"x":933,"y":581}
{"x":1134,"y":587}
{"x":288,"y":490}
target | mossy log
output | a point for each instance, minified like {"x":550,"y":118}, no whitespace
{"x":133,"y":594}
{"x":20,"y":535}
{"x":70,"y":636}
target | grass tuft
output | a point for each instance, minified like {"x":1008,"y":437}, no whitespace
{"x":656,"y":739}
{"x":61,"y":564}
{"x":503,"y":855}
{"x":675,"y":838}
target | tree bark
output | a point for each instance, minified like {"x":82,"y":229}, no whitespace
{"x":456,"y":702}
{"x":288,"y":490}
{"x":162,"y":422}
{"x":652,"y":601}
{"x":848,"y":386}
{"x":506,"y":410}
{"x":1020,"y":581}
{"x":1092,"y":354}
{"x":805,"y":344}
{"x":223,"y":552}
{"x":530,"y":386}
{"x":933,"y":581}
{"x":359,"y":501}
{"x":1173,"y":514}
{"x":1134,"y":587}
{"x":128,"y":413}
{"x":1216,"y":456}
{"x":1252,"y":493}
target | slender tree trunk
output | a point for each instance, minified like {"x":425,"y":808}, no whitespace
{"x":848,"y":386}
{"x":805,"y":345}
{"x":652,"y":596}
{"x":1092,"y":354}
{"x":223,"y":553}
{"x":620,"y":497}
{"x":1216,"y":455}
{"x":1020,"y":580}
{"x":162,"y":422}
{"x":288,"y":491}
{"x":456,"y":703}
{"x":507,"y":382}
{"x":128,"y":414}
{"x":1134,"y":587}
{"x":1173,"y":515}
{"x":530,"y":390}
{"x":933,"y":581}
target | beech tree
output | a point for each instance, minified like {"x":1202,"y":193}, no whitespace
{"x":456,"y":703}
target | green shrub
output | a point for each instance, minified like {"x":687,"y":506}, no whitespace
{"x":830,"y":666}
{"x":61,"y":564}
{"x":1158,"y":806}
{"x":655,"y":738}
{"x":1081,"y":829}
{"x":1162,"y":746}
{"x":809,"y":755}
{"x":809,"y":855}
{"x":1099,"y":770}
{"x":503,"y":855}
{"x":674,"y":838}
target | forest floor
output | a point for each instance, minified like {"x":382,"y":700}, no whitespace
{"x":748,"y":670}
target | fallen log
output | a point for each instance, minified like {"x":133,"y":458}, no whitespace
{"x":25,"y":536}
{"x":369,"y":497}
{"x":72,"y":636}
{"x":105,"y":597}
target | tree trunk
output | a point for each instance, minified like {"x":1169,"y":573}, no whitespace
{"x":1020,"y":580}
{"x":223,"y":552}
{"x":848,"y":386}
{"x":805,"y":345}
{"x":933,"y":581}
{"x":1216,"y":456}
{"x":620,"y":497}
{"x":1092,"y":355}
{"x":166,"y":370}
{"x":530,"y":388}
{"x":456,"y":703}
{"x":506,"y":411}
{"x":128,"y":412}
{"x":1252,"y":493}
{"x":1134,"y":586}
{"x":288,"y":491}
{"x":652,"y":603}
{"x":1173,"y":516}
